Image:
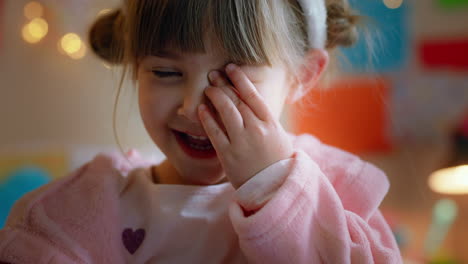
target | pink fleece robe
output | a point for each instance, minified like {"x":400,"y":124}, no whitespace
{"x":319,"y":206}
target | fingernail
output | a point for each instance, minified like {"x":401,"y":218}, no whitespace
{"x":213,"y":75}
{"x":231,"y":67}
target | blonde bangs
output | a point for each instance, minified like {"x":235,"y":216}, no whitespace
{"x":245,"y":29}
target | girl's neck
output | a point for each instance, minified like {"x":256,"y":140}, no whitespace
{"x":165,"y":173}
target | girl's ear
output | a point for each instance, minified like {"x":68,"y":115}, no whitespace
{"x":316,"y":61}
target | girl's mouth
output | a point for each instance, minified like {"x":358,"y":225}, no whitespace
{"x":197,"y":147}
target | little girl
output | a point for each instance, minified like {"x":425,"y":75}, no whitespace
{"x":213,"y":77}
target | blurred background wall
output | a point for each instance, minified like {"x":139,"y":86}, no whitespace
{"x":404,"y":107}
{"x":399,"y":108}
{"x":48,"y":98}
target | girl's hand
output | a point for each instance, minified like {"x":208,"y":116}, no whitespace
{"x":250,"y":138}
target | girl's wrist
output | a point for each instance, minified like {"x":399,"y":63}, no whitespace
{"x":259,"y":189}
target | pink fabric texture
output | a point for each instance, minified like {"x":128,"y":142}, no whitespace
{"x":319,"y":206}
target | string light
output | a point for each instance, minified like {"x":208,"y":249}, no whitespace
{"x":33,"y":10}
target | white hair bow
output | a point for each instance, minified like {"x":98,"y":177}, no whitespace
{"x":315,"y":13}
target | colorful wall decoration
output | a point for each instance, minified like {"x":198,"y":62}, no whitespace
{"x":22,"y":173}
{"x":389,"y":37}
{"x":352,"y":114}
{"x":453,"y":3}
{"x":445,"y":53}
{"x":17,"y":184}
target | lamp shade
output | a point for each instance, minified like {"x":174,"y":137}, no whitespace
{"x":453,"y":179}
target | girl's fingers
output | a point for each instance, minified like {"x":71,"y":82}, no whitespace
{"x":247,"y":92}
{"x":213,"y":130}
{"x":247,"y":114}
{"x":227,"y":109}
{"x":218,"y":79}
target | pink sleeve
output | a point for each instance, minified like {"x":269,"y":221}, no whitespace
{"x":27,"y":236}
{"x":312,"y":219}
{"x":68,"y":220}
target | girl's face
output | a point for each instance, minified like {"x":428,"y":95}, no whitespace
{"x":171,"y":87}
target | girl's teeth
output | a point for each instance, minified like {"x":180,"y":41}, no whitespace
{"x":200,"y":147}
{"x":197,"y":137}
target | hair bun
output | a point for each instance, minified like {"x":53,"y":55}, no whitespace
{"x":341,"y":25}
{"x":106,"y":37}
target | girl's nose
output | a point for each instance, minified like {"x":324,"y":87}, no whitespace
{"x":193,"y":96}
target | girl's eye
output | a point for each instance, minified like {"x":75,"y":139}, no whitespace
{"x":167,"y":74}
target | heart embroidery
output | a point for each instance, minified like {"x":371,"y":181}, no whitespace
{"x":133,"y":240}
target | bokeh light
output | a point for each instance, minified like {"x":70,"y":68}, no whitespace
{"x":35,"y":31}
{"x":79,"y":54}
{"x":33,"y":10}
{"x":445,"y":210}
{"x":393,"y":4}
{"x":59,"y":48}
{"x":71,"y":43}
{"x":452,"y":180}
